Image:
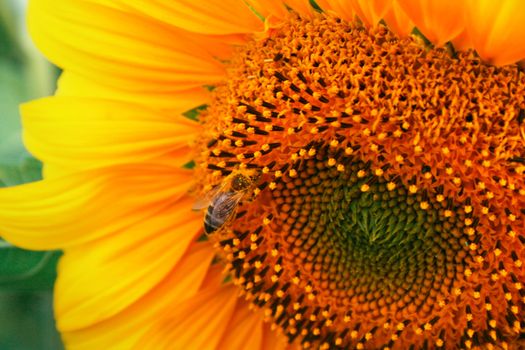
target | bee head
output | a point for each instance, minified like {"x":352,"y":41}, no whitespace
{"x":242,"y":181}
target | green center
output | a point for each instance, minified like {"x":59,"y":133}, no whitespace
{"x":367,"y":242}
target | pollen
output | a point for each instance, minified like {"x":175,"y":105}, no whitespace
{"x":389,"y":188}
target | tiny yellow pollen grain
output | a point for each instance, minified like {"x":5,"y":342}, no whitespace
{"x":391,"y":186}
{"x":331,"y":162}
{"x":365,"y":188}
{"x":379,"y":172}
{"x":399,"y":158}
{"x":440,"y":198}
{"x":412,"y":189}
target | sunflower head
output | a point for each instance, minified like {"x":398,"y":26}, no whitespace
{"x":384,"y":210}
{"x":363,"y":188}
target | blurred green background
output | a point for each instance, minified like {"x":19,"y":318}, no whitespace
{"x":26,"y":278}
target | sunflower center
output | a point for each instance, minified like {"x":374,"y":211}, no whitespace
{"x":382,"y":188}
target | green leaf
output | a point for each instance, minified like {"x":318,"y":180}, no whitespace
{"x":26,"y":270}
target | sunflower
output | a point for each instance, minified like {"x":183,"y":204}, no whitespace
{"x":363,"y":187}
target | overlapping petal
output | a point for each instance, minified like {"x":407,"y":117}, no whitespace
{"x":125,"y":265}
{"x":84,"y":133}
{"x":371,"y":11}
{"x":245,"y":330}
{"x":342,"y":9}
{"x":122,"y":49}
{"x":123,"y":330}
{"x":213,"y":17}
{"x":199,"y":323}
{"x":279,"y":8}
{"x":169,"y":103}
{"x":62,"y":212}
{"x":439,"y":21}
{"x":496,"y":29}
{"x":397,"y":20}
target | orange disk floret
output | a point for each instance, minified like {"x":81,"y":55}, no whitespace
{"x":389,"y":205}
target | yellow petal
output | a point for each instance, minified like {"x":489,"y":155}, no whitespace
{"x":279,"y":8}
{"x":275,"y":339}
{"x":398,"y":21}
{"x":123,"y":266}
{"x":342,"y":9}
{"x":198,"y":323}
{"x":85,"y":133}
{"x":214,"y":17}
{"x":170,"y":103}
{"x":267,"y":8}
{"x":62,"y":212}
{"x":302,"y":7}
{"x":370,"y":11}
{"x":496,"y":29}
{"x":105,"y":43}
{"x":440,"y":21}
{"x":244,"y":331}
{"x":123,"y":330}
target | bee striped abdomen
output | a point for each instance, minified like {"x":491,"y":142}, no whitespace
{"x":220,"y":210}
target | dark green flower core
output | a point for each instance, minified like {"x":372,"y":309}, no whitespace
{"x":388,"y":200}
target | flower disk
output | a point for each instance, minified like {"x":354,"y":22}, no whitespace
{"x":389,"y":207}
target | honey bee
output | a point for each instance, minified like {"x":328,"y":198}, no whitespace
{"x":222,"y":201}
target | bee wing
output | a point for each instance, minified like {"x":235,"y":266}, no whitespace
{"x":226,"y":204}
{"x":205,"y":200}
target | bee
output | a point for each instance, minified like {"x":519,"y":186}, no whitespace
{"x":222,"y":201}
